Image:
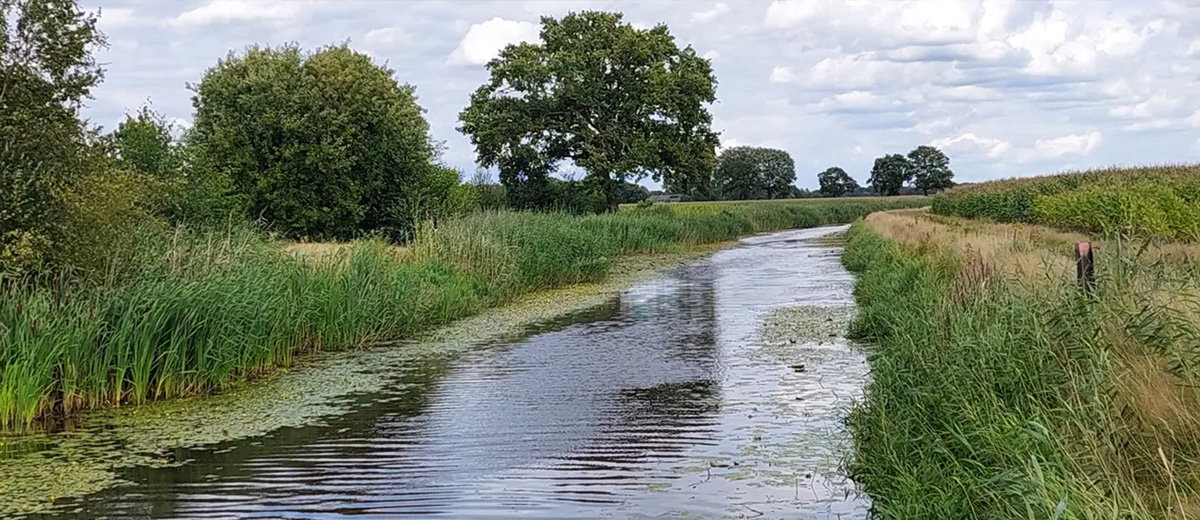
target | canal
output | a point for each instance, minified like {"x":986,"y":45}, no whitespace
{"x":714,"y":390}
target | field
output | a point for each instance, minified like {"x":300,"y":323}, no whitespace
{"x":1001,"y":390}
{"x":211,"y":309}
{"x":1160,"y":202}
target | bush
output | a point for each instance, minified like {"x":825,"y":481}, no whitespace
{"x":326,"y":145}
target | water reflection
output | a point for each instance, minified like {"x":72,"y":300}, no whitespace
{"x":618,"y":411}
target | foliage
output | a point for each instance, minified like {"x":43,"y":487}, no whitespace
{"x":320,"y":145}
{"x":930,"y":169}
{"x":1000,"y":391}
{"x":631,"y":193}
{"x":835,"y":182}
{"x":205,"y":310}
{"x":889,"y":174}
{"x":46,"y":151}
{"x":748,"y":173}
{"x":489,"y":195}
{"x":1159,"y":202}
{"x":620,"y":102}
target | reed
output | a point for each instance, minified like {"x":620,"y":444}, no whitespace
{"x":202,"y":311}
{"x":999,"y":390}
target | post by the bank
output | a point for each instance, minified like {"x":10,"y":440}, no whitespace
{"x":1085,"y":267}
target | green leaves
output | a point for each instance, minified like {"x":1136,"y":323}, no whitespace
{"x":619,"y":102}
{"x":835,"y":182}
{"x":890,"y":173}
{"x":748,"y":173}
{"x":930,"y":169}
{"x":322,"y":145}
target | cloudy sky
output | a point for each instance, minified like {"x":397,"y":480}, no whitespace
{"x":1006,"y":88}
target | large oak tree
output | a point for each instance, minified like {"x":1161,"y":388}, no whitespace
{"x":620,"y":102}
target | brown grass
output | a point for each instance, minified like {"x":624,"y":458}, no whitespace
{"x":1150,"y":328}
{"x":330,"y":251}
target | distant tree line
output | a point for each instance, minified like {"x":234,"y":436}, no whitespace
{"x":924,"y":169}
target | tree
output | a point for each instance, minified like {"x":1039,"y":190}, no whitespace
{"x":46,"y":150}
{"x":143,"y":143}
{"x":746,"y":173}
{"x":632,"y":193}
{"x":835,"y":182}
{"x":619,"y":102}
{"x":930,"y":169}
{"x":889,"y":174}
{"x":322,"y":145}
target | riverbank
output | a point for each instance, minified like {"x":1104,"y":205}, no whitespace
{"x":198,"y":313}
{"x":38,"y":470}
{"x":1000,"y":390}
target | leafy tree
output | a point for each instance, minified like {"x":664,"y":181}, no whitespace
{"x":322,"y":145}
{"x":47,"y":154}
{"x":746,"y":173}
{"x":930,"y":169}
{"x":631,"y":193}
{"x":143,"y":143}
{"x":835,"y":182}
{"x":889,"y":174}
{"x":619,"y":102}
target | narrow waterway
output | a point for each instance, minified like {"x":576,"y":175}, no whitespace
{"x":669,"y":400}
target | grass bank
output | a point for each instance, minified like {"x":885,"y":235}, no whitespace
{"x":203,"y":311}
{"x":999,"y":390}
{"x":1161,"y":202}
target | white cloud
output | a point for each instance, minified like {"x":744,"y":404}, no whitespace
{"x":235,"y":11}
{"x":994,"y":148}
{"x":712,"y":55}
{"x":384,"y":37}
{"x":1073,"y":144}
{"x":120,"y":17}
{"x":783,"y":75}
{"x":485,"y":40}
{"x":711,"y":14}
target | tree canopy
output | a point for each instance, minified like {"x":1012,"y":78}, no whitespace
{"x":620,"y":102}
{"x":321,"y":145}
{"x":835,"y":182}
{"x":746,"y":173}
{"x":889,"y":174}
{"x":930,"y":169}
{"x":46,"y":71}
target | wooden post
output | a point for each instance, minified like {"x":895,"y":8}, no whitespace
{"x":1085,"y":267}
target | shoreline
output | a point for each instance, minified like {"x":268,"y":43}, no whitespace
{"x":42,"y":468}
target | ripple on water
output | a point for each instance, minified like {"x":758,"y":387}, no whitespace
{"x":716,"y":390}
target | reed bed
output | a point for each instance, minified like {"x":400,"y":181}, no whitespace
{"x":1158,"y":202}
{"x":1000,"y":390}
{"x":202,"y":311}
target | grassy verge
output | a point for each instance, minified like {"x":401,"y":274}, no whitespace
{"x":209,"y":310}
{"x":1160,"y":202}
{"x":999,"y":390}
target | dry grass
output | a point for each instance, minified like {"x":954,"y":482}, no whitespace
{"x":325,"y":252}
{"x":1146,"y":445}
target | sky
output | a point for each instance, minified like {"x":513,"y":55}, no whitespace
{"x":1005,"y":88}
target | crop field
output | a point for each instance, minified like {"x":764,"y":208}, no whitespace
{"x":1160,"y":201}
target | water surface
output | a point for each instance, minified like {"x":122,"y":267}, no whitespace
{"x":663,"y":402}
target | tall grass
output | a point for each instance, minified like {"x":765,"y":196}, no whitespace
{"x":1160,"y":202}
{"x":999,"y":390}
{"x":203,"y":311}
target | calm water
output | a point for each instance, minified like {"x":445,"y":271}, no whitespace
{"x":660,"y":403}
